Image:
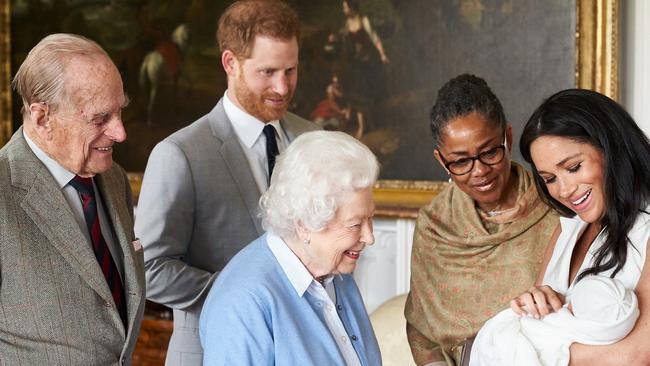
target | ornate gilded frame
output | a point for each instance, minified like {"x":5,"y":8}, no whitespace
{"x":5,"y":72}
{"x":596,"y":68}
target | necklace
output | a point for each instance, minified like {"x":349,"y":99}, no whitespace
{"x":500,"y":212}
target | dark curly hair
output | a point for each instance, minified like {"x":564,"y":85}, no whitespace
{"x":461,"y":96}
{"x":592,"y":118}
{"x":354,"y":5}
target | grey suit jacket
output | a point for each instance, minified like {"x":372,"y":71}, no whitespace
{"x":55,"y":305}
{"x":198,"y":207}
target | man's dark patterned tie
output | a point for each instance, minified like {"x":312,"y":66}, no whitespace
{"x":271,"y":147}
{"x":84,"y":187}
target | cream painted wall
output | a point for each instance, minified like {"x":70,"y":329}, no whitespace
{"x":383,"y":271}
{"x":635,"y":60}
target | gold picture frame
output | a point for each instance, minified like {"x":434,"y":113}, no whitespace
{"x":596,"y":68}
{"x":5,"y":72}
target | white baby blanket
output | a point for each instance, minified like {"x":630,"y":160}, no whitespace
{"x":604,"y":312}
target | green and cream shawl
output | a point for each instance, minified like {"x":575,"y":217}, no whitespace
{"x":466,"y":266}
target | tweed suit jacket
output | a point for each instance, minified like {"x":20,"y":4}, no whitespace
{"x":55,"y":305}
{"x":198,"y":207}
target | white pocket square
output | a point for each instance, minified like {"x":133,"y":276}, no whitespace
{"x":137,"y":245}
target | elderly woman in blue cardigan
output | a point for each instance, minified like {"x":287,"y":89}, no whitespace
{"x":289,"y":298}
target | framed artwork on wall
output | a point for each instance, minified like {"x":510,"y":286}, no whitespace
{"x":370,"y":68}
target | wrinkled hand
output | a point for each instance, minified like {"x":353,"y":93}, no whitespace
{"x":537,"y":302}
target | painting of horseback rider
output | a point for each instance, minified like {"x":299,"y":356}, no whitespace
{"x":163,"y":65}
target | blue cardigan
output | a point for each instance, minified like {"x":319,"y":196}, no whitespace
{"x":253,"y":316}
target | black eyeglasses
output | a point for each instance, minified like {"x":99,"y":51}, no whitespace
{"x":465,"y":165}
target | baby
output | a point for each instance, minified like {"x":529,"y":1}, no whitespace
{"x":599,"y":310}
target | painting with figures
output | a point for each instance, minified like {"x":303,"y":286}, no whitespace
{"x":370,"y":68}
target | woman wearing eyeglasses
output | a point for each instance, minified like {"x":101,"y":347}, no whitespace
{"x":480,"y":242}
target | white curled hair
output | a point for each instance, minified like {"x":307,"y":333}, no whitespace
{"x":312,"y":177}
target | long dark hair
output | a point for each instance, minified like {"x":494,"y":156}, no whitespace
{"x":589,"y":117}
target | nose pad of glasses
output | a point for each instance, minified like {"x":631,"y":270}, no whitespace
{"x":480,"y":166}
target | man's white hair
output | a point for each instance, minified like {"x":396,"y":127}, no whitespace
{"x":312,"y":177}
{"x":41,"y":77}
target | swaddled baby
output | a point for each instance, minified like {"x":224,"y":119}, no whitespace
{"x":599,"y":310}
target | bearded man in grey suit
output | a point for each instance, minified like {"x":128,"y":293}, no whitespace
{"x":199,"y":198}
{"x":71,"y":274}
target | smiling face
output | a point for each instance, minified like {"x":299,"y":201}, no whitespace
{"x":337,"y":247}
{"x":84,"y":130}
{"x":263,"y":84}
{"x":573,"y":173}
{"x":468,"y":136}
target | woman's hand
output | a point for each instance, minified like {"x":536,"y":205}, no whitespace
{"x":538,"y":302}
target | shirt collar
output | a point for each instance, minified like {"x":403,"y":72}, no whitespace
{"x":247,"y":127}
{"x":296,"y":272}
{"x":61,"y":175}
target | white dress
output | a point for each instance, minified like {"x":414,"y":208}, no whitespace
{"x":507,"y":339}
{"x":557,"y":271}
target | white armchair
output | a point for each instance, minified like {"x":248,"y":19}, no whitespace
{"x":389,"y":324}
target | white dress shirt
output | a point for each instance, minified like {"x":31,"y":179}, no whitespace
{"x":249,"y":131}
{"x":62,"y":177}
{"x":302,"y":281}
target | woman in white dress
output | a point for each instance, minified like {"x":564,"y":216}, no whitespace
{"x":591,"y":163}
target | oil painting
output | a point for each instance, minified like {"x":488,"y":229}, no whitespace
{"x":370,"y":68}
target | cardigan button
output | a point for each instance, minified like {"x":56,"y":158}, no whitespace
{"x":339,"y":307}
{"x":353,"y":337}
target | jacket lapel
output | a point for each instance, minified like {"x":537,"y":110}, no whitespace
{"x":113,"y":193}
{"x":237,"y":163}
{"x":45,"y":205}
{"x":294,"y":126}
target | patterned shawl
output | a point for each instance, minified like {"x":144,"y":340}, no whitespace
{"x":462,"y":273}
